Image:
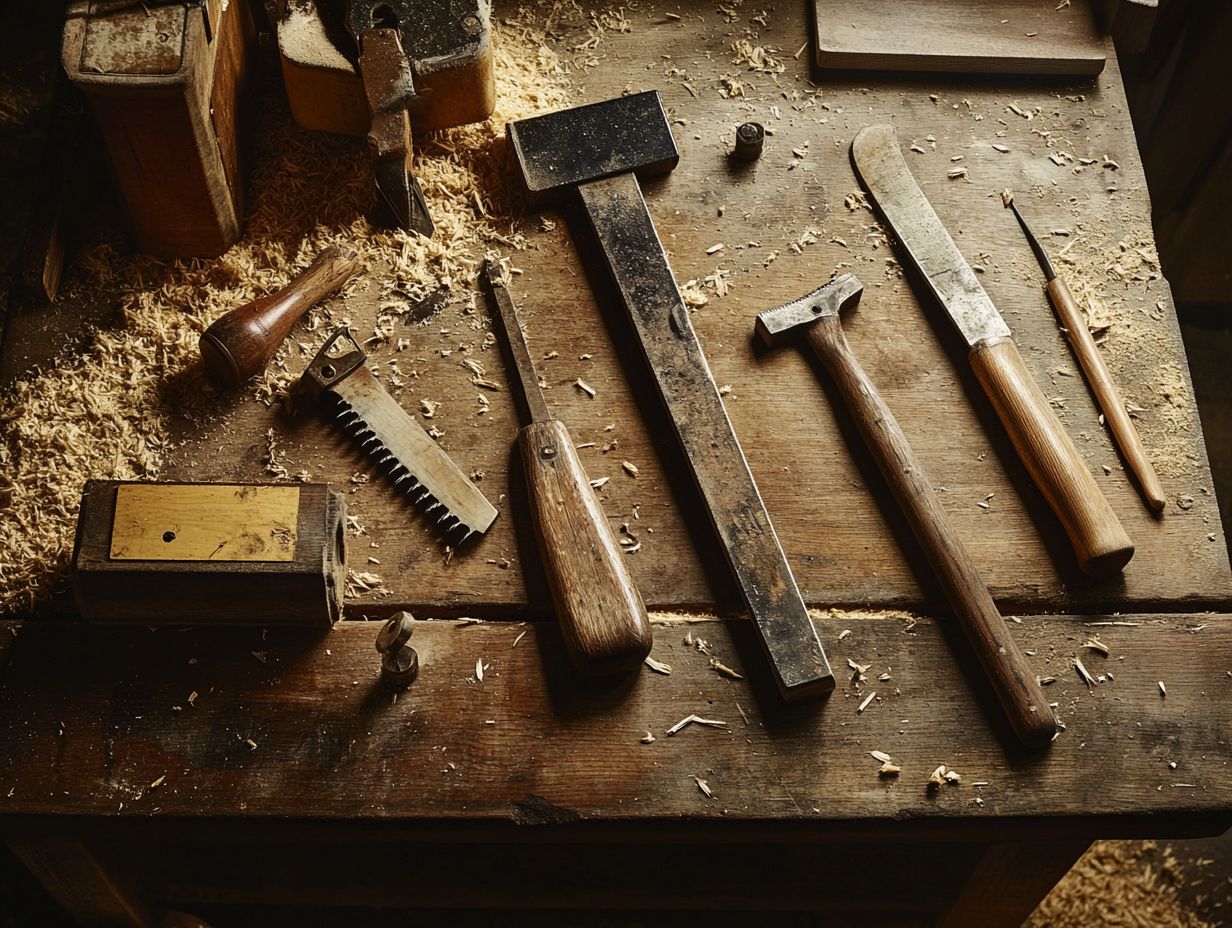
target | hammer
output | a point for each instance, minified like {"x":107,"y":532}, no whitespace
{"x":816,"y":319}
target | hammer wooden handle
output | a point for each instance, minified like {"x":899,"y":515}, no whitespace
{"x":1106,"y":393}
{"x":1004,"y":665}
{"x":600,"y":611}
{"x":240,"y":344}
{"x":1099,"y":541}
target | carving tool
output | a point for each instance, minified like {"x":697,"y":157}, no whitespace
{"x":1099,"y":541}
{"x":600,"y":611}
{"x":378,"y":27}
{"x":816,"y":320}
{"x":240,"y":344}
{"x":399,"y":446}
{"x":595,"y":154}
{"x":1075,"y":328}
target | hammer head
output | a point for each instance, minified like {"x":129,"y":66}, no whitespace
{"x":775,"y":326}
{"x":560,"y":150}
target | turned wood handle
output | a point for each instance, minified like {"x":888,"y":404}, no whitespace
{"x":1099,"y":541}
{"x":600,"y":611}
{"x":239,"y":345}
{"x":1003,"y":663}
{"x":1109,"y":397}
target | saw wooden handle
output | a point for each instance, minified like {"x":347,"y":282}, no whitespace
{"x":239,"y":345}
{"x":1106,"y":393}
{"x":1098,"y":539}
{"x":600,"y":611}
{"x":1003,"y":663}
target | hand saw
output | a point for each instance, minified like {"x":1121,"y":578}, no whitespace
{"x":397,"y":443}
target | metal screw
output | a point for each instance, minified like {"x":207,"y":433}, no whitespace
{"x":399,"y":662}
{"x":750,"y":138}
{"x":470,"y":22}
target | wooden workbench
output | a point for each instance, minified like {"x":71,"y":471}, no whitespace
{"x":125,"y":793}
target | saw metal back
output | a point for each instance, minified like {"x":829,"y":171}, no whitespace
{"x":401,"y":449}
{"x":879,"y":163}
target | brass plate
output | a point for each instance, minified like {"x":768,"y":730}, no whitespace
{"x":191,"y":522}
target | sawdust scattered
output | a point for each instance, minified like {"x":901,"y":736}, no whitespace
{"x":1119,"y":883}
{"x":108,"y":410}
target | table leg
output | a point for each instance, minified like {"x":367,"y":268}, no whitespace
{"x":1009,"y":882}
{"x":90,"y":889}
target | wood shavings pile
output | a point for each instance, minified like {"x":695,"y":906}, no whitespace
{"x":107,"y":411}
{"x":1118,"y":883}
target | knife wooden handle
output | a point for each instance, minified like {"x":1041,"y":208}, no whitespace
{"x":1004,"y":665}
{"x":600,"y":611}
{"x":1109,"y":397}
{"x":1099,"y":540}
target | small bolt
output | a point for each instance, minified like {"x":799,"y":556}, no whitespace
{"x":548,"y":451}
{"x":399,"y":662}
{"x":750,"y":138}
{"x":470,"y":22}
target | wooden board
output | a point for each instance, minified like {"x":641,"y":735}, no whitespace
{"x":296,"y":726}
{"x":845,"y":540}
{"x":1036,"y":37}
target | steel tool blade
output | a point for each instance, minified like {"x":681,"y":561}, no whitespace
{"x":880,"y":165}
{"x":396,"y":442}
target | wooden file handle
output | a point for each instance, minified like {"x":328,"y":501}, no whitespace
{"x":1101,"y":544}
{"x":239,"y":345}
{"x":1004,"y":665}
{"x":1109,"y":397}
{"x":600,"y":611}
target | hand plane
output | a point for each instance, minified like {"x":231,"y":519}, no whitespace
{"x":399,"y":446}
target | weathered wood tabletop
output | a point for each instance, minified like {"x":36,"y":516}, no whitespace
{"x":197,"y":724}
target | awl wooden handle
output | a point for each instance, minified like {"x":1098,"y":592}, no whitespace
{"x":1004,"y":665}
{"x":1109,"y":397}
{"x":1099,"y":540}
{"x":600,"y":611}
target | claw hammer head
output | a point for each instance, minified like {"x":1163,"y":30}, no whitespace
{"x":774,"y":326}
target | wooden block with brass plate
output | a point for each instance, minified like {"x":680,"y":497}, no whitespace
{"x":189,"y":553}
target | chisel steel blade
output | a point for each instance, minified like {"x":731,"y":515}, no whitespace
{"x":398,"y":444}
{"x":879,"y":163}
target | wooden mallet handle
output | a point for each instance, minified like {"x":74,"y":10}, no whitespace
{"x":1098,"y":539}
{"x":600,"y":611}
{"x":239,"y":345}
{"x":1109,"y":397}
{"x":1004,"y":665}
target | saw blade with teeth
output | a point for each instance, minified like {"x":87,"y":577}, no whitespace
{"x":398,"y":445}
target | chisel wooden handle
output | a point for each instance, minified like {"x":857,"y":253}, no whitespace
{"x":600,"y":611}
{"x":240,"y":344}
{"x":1109,"y":397}
{"x":1004,"y":665}
{"x":1099,"y":541}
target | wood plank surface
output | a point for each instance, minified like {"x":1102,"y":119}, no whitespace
{"x":837,"y":522}
{"x":968,"y":36}
{"x":197,"y":725}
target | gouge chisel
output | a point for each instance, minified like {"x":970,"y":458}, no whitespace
{"x":600,"y":611}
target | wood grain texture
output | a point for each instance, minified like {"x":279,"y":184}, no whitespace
{"x":240,"y":344}
{"x":968,"y":36}
{"x":600,"y":612}
{"x":1100,"y":542}
{"x":1007,"y":670}
{"x":1009,"y":881}
{"x":841,"y":531}
{"x":1106,"y":393}
{"x":309,"y":735}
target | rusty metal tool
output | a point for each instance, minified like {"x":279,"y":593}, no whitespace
{"x":378,"y":29}
{"x":1075,"y":328}
{"x":600,"y":611}
{"x":399,"y":446}
{"x":596,"y":153}
{"x":1099,"y":541}
{"x":816,"y":320}
{"x":240,"y":344}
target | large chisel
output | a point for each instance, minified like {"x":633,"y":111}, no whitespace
{"x":599,"y":609}
{"x":595,"y":153}
{"x":1099,"y":541}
